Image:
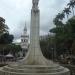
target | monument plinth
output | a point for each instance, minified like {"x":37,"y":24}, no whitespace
{"x":34,"y":63}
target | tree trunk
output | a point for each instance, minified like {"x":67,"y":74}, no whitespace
{"x":73,"y":48}
{"x":73,"y":11}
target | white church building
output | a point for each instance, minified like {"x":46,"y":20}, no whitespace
{"x":24,"y":41}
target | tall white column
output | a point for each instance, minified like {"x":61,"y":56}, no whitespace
{"x":34,"y":32}
{"x":34,"y":49}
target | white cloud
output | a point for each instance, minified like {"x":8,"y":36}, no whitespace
{"x":16,"y":12}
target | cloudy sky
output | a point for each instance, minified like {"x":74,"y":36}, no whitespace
{"x":16,"y":12}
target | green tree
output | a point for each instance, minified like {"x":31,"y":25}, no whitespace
{"x":71,"y":23}
{"x":9,"y":48}
{"x":65,"y":32}
{"x":6,"y":38}
{"x":65,"y":37}
{"x":3,"y":26}
{"x":47,"y":46}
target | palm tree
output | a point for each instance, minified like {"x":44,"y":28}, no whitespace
{"x":60,"y":16}
{"x":71,"y":5}
{"x":67,"y":11}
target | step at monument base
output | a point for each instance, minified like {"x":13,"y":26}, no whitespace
{"x":34,"y":70}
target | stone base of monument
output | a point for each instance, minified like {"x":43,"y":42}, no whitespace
{"x":34,"y":70}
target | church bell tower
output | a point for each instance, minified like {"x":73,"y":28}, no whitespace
{"x":24,"y":41}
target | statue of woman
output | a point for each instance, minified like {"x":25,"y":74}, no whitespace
{"x":35,"y":3}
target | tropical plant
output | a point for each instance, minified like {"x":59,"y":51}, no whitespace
{"x":72,"y":5}
{"x":67,"y":11}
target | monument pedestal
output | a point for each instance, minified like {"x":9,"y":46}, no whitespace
{"x":34,"y":63}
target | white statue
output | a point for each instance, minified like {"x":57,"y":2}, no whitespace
{"x":35,"y":3}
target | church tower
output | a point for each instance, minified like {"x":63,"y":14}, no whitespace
{"x":24,"y":41}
